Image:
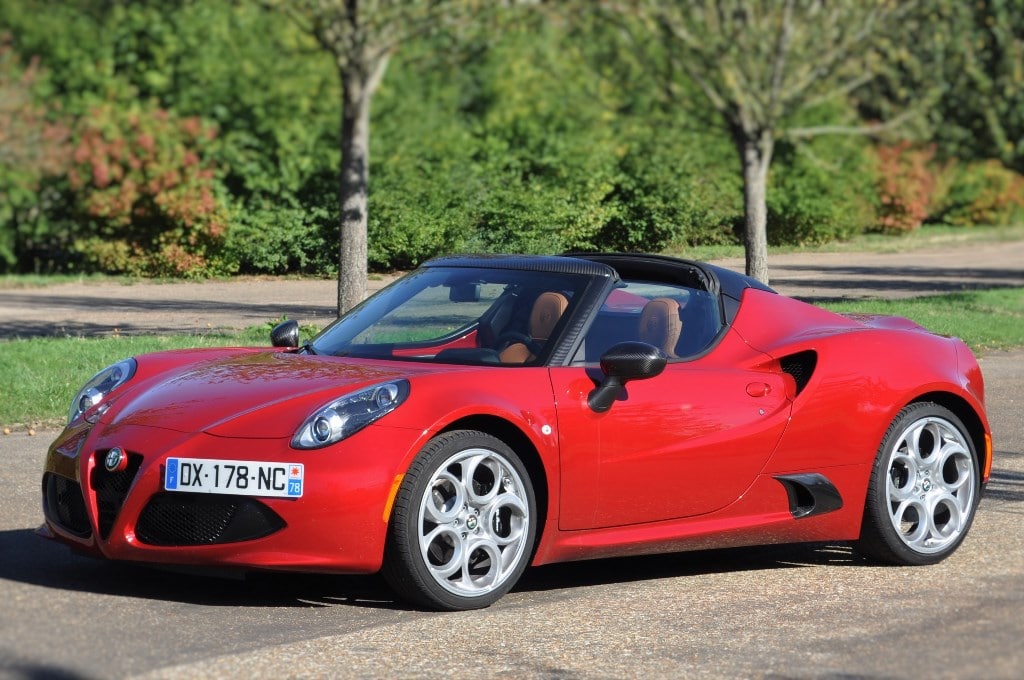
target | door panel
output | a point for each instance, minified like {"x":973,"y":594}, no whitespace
{"x":687,"y":442}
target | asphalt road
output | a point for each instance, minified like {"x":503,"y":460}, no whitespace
{"x":785,"y":611}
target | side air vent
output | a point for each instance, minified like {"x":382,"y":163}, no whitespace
{"x":801,"y":367}
{"x":810,"y":494}
{"x":64,"y":505}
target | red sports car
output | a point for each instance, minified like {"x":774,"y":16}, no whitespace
{"x":487,"y":413}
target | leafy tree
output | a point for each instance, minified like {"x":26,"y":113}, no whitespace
{"x":231,"y":64}
{"x":546,"y":151}
{"x":982,"y":114}
{"x":589,"y":127}
{"x":824,"y":187}
{"x":756,"y":64}
{"x":360,"y":37}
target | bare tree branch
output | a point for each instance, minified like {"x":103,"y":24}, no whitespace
{"x":872,"y":130}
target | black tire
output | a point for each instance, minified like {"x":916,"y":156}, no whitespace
{"x":924,"y":488}
{"x":468,"y":494}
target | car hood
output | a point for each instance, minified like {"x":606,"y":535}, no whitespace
{"x":261,"y":395}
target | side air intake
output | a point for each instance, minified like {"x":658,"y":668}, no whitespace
{"x":810,"y":494}
{"x":800,"y":366}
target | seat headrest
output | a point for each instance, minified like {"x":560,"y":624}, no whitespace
{"x":547,"y":310}
{"x":660,"y":324}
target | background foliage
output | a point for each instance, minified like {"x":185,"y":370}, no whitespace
{"x":189,"y":138}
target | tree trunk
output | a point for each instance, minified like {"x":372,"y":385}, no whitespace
{"x":359,"y":80}
{"x":756,"y":155}
{"x":353,"y":189}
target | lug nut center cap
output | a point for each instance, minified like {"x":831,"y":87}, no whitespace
{"x":471,"y":522}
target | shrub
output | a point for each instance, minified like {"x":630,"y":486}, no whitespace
{"x":34,"y":150}
{"x":282,"y":240}
{"x":906,"y":184}
{"x":820,"y":191}
{"x":149,"y":195}
{"x":978,"y":193}
{"x":671,"y":188}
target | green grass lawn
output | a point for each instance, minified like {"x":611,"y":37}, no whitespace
{"x":42,"y":375}
{"x":984,"y":319}
{"x":931,"y":236}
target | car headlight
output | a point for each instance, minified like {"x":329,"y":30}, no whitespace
{"x":346,"y":416}
{"x":99,"y":386}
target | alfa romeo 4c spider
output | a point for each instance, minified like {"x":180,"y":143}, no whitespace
{"x":486,"y":413}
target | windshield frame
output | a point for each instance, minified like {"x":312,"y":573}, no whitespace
{"x":450,"y":283}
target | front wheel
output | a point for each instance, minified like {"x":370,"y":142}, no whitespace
{"x":924,"y":488}
{"x":463,"y":524}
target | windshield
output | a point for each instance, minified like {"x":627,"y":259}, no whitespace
{"x":459,"y":315}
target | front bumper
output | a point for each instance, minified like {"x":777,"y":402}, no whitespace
{"x":338,"y":525}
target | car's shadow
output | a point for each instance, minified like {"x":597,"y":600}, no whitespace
{"x":696,"y":563}
{"x":33,"y":560}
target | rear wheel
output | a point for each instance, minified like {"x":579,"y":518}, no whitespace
{"x":924,"y":488}
{"x":463,"y":524}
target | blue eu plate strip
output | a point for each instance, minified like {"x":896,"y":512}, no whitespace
{"x":171,"y":476}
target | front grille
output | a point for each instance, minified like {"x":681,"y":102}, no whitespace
{"x":64,"y":504}
{"x":180,"y":519}
{"x":111,"y":489}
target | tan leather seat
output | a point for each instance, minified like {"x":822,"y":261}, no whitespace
{"x":660,"y":325}
{"x":547,"y":310}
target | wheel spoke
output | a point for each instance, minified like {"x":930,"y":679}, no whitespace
{"x":482,"y":478}
{"x":954,"y":468}
{"x":505,"y":519}
{"x":913,"y":441}
{"x":443,"y":551}
{"x":900,"y":494}
{"x":445,"y":498}
{"x":903,"y":473}
{"x":945,"y":520}
{"x":910,"y":520}
{"x":481,"y":554}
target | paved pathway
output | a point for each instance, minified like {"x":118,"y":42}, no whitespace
{"x":105,"y":308}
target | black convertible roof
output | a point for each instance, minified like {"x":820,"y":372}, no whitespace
{"x":709,"y":277}
{"x":535,"y":263}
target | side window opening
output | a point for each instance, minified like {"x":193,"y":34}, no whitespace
{"x":680,"y":320}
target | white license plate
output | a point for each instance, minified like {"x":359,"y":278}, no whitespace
{"x":236,"y":477}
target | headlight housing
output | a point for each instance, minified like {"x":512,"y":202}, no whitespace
{"x":345,"y":416}
{"x":99,"y":386}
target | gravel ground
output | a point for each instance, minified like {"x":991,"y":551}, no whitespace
{"x":96,"y":309}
